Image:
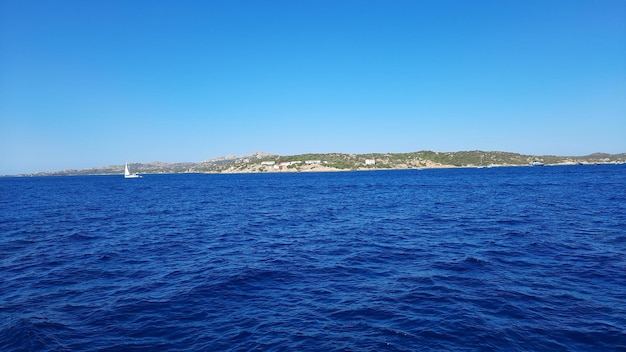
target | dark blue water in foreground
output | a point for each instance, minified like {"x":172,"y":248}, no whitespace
{"x":509,"y":259}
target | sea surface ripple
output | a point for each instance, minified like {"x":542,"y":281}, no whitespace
{"x":494,"y":259}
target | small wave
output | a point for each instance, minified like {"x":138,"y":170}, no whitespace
{"x":469,"y":263}
{"x":31,"y":334}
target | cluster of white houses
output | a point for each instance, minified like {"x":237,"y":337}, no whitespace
{"x":273,"y":164}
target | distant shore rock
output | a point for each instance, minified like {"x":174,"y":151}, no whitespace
{"x":267,"y":162}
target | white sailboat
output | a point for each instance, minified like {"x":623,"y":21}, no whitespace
{"x":127,"y":173}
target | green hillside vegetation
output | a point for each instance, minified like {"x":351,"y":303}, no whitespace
{"x":263,"y":162}
{"x":429,"y":158}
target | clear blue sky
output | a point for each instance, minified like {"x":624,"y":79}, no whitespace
{"x":100,"y":82}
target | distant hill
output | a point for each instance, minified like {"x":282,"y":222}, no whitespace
{"x":267,"y":162}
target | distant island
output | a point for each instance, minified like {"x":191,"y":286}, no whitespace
{"x":267,"y":162}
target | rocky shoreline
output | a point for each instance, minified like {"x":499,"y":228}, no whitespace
{"x":331,"y":162}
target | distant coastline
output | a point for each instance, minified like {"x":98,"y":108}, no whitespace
{"x":260,"y":162}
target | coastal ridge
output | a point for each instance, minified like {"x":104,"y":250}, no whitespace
{"x":326,"y":162}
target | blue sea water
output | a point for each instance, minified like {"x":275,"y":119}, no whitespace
{"x":499,"y":259}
